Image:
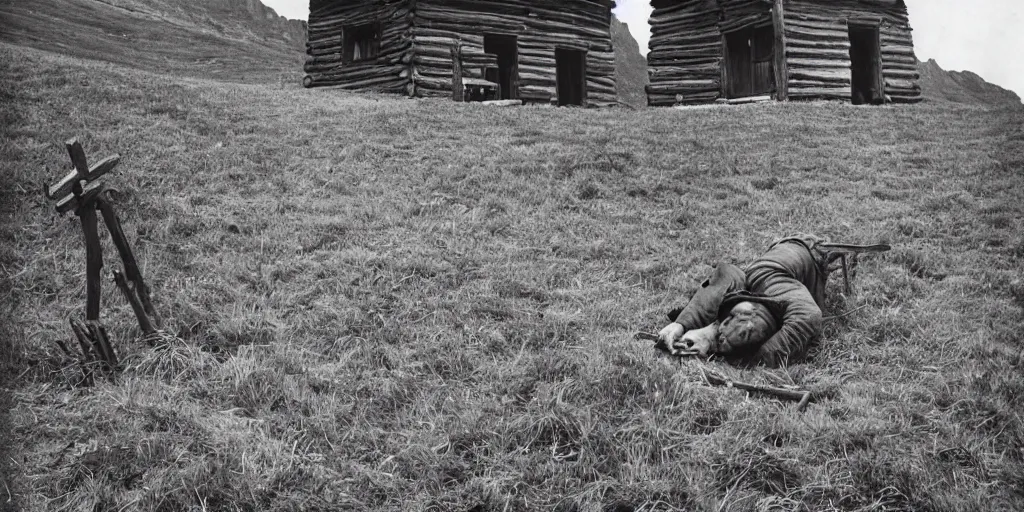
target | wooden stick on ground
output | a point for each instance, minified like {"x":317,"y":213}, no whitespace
{"x":800,"y":396}
{"x":87,"y":352}
{"x":658,"y":344}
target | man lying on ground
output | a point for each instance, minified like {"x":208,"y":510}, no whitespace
{"x":769,"y":314}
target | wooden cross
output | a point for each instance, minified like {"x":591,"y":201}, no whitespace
{"x":82,"y":191}
{"x":82,"y":183}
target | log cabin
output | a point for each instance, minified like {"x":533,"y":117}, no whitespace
{"x":703,"y":51}
{"x":537,"y":51}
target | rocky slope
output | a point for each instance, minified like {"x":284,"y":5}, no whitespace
{"x":630,"y":66}
{"x":245,"y":40}
{"x":260,"y":19}
{"x":966,"y":87}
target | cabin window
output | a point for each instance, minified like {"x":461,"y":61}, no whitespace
{"x":362,"y":42}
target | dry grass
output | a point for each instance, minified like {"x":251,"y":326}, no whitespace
{"x":413,"y":305}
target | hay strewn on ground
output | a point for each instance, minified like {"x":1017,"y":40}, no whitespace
{"x":406,"y":305}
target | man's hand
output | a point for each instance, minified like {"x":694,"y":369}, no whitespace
{"x":670,"y":335}
{"x":703,"y":341}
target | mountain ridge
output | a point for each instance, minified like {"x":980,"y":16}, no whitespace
{"x":965,"y":87}
{"x":630,"y":66}
{"x":237,"y":40}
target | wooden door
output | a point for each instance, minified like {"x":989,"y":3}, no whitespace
{"x":867,"y":84}
{"x":571,"y":77}
{"x":749,"y":67}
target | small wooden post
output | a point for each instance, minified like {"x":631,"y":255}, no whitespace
{"x":85,"y":344}
{"x":779,"y":53}
{"x":876,"y":56}
{"x":724,"y":89}
{"x":458,"y":91}
{"x":93,"y":262}
{"x":131,"y":266}
{"x":102,"y":345}
{"x":846,"y":274}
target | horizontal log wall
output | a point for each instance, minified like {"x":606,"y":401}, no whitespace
{"x":539,"y":26}
{"x":685,"y":62}
{"x":387,"y":72}
{"x":417,"y":37}
{"x":818,"y":48}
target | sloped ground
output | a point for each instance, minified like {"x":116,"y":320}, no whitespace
{"x":202,"y":40}
{"x":388,"y":304}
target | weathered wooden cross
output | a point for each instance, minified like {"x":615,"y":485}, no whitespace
{"x":82,"y":191}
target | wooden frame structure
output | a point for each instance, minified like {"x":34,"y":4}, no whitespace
{"x":505,"y":50}
{"x":818,"y":51}
{"x":82,"y":192}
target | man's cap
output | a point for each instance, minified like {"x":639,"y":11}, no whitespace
{"x":776,"y":308}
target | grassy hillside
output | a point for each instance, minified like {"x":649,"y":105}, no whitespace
{"x":388,"y":304}
{"x":237,"y":40}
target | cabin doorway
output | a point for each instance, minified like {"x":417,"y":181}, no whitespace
{"x":571,"y":77}
{"x":506,"y":48}
{"x":866,"y":65}
{"x":749,"y":68}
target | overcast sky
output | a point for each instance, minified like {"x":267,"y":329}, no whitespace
{"x":983,"y":36}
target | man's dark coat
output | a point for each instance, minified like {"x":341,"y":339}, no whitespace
{"x":789,"y":279}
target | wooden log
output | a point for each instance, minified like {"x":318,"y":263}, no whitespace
{"x":749,"y":99}
{"x":896,"y":83}
{"x":93,"y":260}
{"x":457,"y":89}
{"x":131,"y":266}
{"x":723,"y":86}
{"x":820,"y":92}
{"x":779,"y":53}
{"x":84,"y":343}
{"x":502,"y":103}
{"x":88,"y":358}
{"x":72,"y":178}
{"x":800,"y":396}
{"x":819,"y":63}
{"x":821,"y":74}
{"x":133,"y":300}
{"x":102,"y":346}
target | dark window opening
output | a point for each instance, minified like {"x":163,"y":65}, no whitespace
{"x":866,"y":66}
{"x":571,"y":77}
{"x":362,"y":42}
{"x":506,"y":75}
{"x":749,"y":69}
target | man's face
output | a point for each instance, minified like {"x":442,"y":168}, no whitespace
{"x":748,"y":325}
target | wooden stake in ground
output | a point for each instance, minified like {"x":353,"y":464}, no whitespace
{"x":82,"y":192}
